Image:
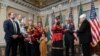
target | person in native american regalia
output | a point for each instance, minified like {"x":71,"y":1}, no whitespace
{"x":57,"y":34}
{"x":28,"y":39}
{"x":40,"y":29}
{"x":38,"y":33}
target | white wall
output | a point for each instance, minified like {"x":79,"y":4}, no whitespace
{"x":2,"y":18}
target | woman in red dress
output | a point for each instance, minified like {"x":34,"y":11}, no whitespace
{"x":38,"y":33}
{"x":28,"y":39}
{"x":57,"y":38}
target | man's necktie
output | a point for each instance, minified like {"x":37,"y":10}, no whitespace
{"x":15,"y":26}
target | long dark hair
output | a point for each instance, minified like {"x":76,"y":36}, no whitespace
{"x":44,"y":33}
{"x":58,"y":23}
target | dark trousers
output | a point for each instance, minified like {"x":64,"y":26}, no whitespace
{"x":69,"y":45}
{"x":28,"y":49}
{"x":36,"y":48}
{"x":86,"y":49}
{"x":22,"y":47}
{"x":57,"y":52}
{"x":32,"y":49}
{"x":58,"y":48}
{"x":11,"y":47}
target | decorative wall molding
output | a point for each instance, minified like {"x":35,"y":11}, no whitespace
{"x":64,"y":3}
{"x":64,"y":6}
{"x":3,"y":5}
{"x":35,"y":8}
{"x":26,"y":4}
{"x":18,"y":6}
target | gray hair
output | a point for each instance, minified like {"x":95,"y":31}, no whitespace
{"x":83,"y":16}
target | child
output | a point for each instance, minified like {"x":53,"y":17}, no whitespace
{"x":43,"y":45}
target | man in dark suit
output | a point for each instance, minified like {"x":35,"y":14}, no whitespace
{"x":69,"y":38}
{"x":12,"y":32}
{"x":84,"y":34}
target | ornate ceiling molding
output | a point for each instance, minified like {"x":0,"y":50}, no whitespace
{"x":26,"y":4}
{"x":21,"y":2}
{"x":64,"y":4}
{"x":42,"y":3}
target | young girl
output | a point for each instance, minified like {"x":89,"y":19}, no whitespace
{"x":43,"y":45}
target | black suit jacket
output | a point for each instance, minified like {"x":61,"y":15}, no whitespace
{"x":9,"y":29}
{"x":69,"y":34}
{"x":84,"y":32}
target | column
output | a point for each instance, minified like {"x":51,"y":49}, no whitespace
{"x":35,"y":18}
{"x":2,"y":18}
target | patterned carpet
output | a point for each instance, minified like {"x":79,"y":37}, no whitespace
{"x":77,"y":51}
{"x":2,"y":52}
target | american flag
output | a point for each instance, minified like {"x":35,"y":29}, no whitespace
{"x":95,"y":25}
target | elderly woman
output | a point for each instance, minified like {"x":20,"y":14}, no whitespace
{"x":84,"y":34}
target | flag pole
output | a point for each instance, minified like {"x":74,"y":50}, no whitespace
{"x":69,"y":4}
{"x":80,"y":12}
